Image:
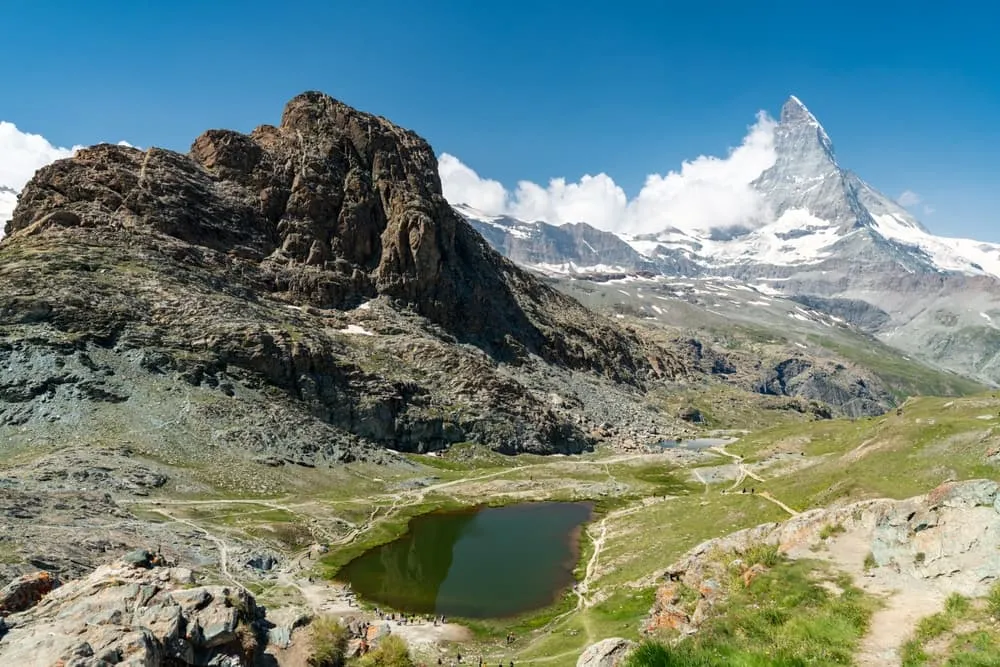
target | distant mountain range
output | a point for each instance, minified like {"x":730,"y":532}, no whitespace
{"x":831,"y":239}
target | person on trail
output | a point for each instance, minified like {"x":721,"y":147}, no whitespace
{"x":753,"y":490}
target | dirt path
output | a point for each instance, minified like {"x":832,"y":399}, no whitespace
{"x":220,"y":545}
{"x":768,"y":496}
{"x":697,"y":475}
{"x":906,"y":599}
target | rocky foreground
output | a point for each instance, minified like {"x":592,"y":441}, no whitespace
{"x":911,"y":553}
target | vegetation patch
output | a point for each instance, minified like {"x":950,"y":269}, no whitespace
{"x":784,"y":617}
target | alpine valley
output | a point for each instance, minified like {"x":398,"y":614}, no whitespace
{"x":237,"y":380}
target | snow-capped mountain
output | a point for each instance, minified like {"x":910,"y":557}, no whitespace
{"x":828,"y":235}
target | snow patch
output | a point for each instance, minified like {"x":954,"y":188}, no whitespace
{"x":355,"y":330}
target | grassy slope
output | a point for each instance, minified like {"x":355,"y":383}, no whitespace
{"x":784,"y":618}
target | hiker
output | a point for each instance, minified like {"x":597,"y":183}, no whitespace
{"x":752,"y":490}
{"x":458,"y":656}
{"x":744,"y":489}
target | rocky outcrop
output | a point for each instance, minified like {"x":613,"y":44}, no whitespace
{"x":606,"y":653}
{"x":950,"y":537}
{"x":25,"y":592}
{"x":140,"y":615}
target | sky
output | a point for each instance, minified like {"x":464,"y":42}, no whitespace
{"x":567,"y":107}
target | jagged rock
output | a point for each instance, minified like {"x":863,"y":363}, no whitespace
{"x":263,"y":562}
{"x":139,"y":558}
{"x":606,"y":653}
{"x":26,"y":592}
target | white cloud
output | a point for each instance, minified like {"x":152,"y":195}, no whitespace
{"x":909,"y":198}
{"x":928,"y":210}
{"x":462,"y":185}
{"x":22,"y":154}
{"x":705,"y":193}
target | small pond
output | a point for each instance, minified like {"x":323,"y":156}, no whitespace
{"x":695,"y":443}
{"x":486,"y":562}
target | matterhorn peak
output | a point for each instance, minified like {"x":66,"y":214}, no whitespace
{"x":794,"y":111}
{"x":799,"y":127}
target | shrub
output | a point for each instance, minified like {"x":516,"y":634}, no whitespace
{"x":870,"y":561}
{"x":329,"y":643}
{"x":993,"y":601}
{"x":763,"y":554}
{"x":391,"y":652}
{"x":652,"y":654}
{"x":830,"y":530}
{"x":956,"y":604}
{"x":920,"y":557}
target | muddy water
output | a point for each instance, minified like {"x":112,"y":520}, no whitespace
{"x":487,"y":562}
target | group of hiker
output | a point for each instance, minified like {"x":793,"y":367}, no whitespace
{"x":458,"y":661}
{"x":403,"y":619}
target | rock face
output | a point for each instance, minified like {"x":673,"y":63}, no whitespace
{"x":127,"y":615}
{"x":311,"y":267}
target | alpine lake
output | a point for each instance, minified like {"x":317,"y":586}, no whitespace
{"x":483,"y":562}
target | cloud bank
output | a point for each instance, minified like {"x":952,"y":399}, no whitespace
{"x":22,"y":154}
{"x":705,"y":193}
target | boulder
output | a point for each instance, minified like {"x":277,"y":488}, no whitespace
{"x":26,"y":591}
{"x":606,"y":653}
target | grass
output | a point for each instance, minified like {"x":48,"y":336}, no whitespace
{"x":327,"y":642}
{"x":897,"y":455}
{"x":831,"y":530}
{"x":964,"y":634}
{"x":391,"y":651}
{"x":902,"y":376}
{"x":783,"y":618}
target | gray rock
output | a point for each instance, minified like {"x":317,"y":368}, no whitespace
{"x":118,"y":615}
{"x":606,"y":653}
{"x":139,"y":558}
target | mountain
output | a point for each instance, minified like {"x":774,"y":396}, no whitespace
{"x":569,"y":248}
{"x":315,"y":261}
{"x":832,"y":240}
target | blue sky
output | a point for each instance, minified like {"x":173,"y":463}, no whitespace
{"x":535,"y":90}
